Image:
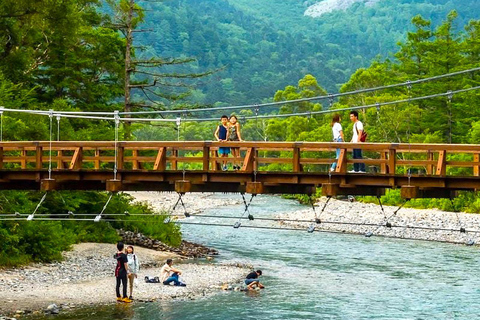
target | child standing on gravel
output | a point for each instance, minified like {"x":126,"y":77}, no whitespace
{"x":121,"y":271}
{"x":133,"y":267}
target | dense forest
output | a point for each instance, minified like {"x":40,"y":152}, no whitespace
{"x":266,"y":45}
{"x":70,"y":55}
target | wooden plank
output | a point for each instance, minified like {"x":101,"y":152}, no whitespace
{"x":441,"y":164}
{"x":76,"y":162}
{"x":161,"y":161}
{"x":39,"y":158}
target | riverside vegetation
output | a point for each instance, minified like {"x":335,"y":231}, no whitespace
{"x":69,"y":56}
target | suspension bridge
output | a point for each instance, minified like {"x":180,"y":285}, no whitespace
{"x":419,"y":170}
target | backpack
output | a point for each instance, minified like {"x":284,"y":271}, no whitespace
{"x":149,"y":279}
{"x":364,"y":135}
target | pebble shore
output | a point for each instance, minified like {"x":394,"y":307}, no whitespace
{"x":86,"y":278}
{"x":407,"y":223}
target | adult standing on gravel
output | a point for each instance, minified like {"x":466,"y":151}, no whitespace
{"x":134,"y":267}
{"x":167,"y":278}
{"x":121,"y":271}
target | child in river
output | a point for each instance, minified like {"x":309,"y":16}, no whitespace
{"x":133,"y":267}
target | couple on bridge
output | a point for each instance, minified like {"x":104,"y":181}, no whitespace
{"x":359,"y":135}
{"x":229,"y":130}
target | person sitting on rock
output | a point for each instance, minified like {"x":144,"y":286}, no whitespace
{"x":168,"y":278}
{"x":252,"y":281}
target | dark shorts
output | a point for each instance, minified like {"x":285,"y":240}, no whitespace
{"x":223,"y":150}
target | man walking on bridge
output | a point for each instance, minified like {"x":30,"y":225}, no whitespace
{"x":357,"y":138}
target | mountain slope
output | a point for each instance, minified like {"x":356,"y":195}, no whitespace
{"x":266,"y":45}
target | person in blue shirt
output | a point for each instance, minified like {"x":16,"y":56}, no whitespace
{"x":221,"y":134}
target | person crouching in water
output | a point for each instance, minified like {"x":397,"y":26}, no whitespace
{"x":221,"y":134}
{"x":252,"y":281}
{"x":235,"y":135}
{"x":133,"y":267}
{"x":121,"y":271}
{"x":168,"y":278}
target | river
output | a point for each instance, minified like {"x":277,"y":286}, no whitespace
{"x":322,"y":275}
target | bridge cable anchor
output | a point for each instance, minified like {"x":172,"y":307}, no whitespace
{"x":368,"y":234}
{"x":180,"y":200}
{"x":99,"y":216}
{"x":247,"y":205}
{"x":32,"y":216}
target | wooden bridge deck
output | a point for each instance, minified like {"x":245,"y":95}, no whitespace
{"x":420,"y":170}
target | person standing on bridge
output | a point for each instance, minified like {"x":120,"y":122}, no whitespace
{"x":235,"y":135}
{"x":221,"y":134}
{"x":357,"y":138}
{"x":337,"y":137}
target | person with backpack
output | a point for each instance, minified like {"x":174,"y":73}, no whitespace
{"x":359,"y":135}
{"x":133,"y":267}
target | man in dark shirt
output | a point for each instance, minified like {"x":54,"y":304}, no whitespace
{"x":121,"y":271}
{"x":252,"y":280}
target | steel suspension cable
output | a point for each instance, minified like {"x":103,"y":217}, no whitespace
{"x":330,"y":96}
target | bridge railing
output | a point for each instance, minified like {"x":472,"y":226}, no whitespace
{"x":295,"y":157}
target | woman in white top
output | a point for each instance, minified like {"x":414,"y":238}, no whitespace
{"x":337,"y":136}
{"x":133,"y":268}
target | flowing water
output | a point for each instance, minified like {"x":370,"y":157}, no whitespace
{"x":322,"y":275}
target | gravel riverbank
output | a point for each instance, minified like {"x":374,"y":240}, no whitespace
{"x":407,"y":223}
{"x":86,"y":278}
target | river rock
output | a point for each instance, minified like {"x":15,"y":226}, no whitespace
{"x":186,"y":248}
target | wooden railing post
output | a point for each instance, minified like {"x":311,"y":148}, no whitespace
{"x":206,"y":157}
{"x":174,"y":161}
{"x":161,"y":160}
{"x":1,"y":157}
{"x":23,"y":161}
{"x":120,"y":158}
{"x":77,"y":159}
{"x":442,"y":163}
{"x":97,"y":159}
{"x":248,"y":162}
{"x":383,"y":166}
{"x":60,"y":160}
{"x":39,"y":158}
{"x":296,"y":160}
{"x":135,"y":163}
{"x":392,"y":160}
{"x":342,"y":161}
{"x":429,"y":166}
{"x":476,"y":167}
